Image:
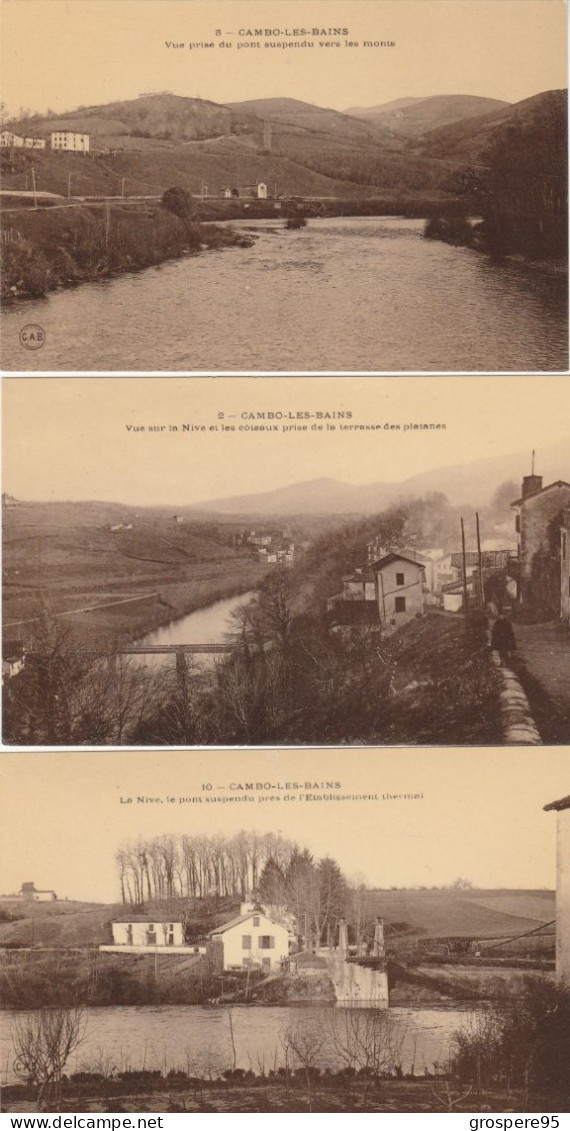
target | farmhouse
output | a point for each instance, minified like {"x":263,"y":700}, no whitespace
{"x":140,"y":934}
{"x":250,"y":940}
{"x":399,"y":588}
{"x":562,"y":808}
{"x":13,"y":659}
{"x":30,"y":891}
{"x":359,"y":586}
{"x":70,"y":141}
{"x":246,"y":192}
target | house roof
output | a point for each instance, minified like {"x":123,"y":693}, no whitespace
{"x":360,"y":575}
{"x":562,"y":803}
{"x":146,"y":919}
{"x":533,"y":494}
{"x":392,"y":557}
{"x":243,"y":919}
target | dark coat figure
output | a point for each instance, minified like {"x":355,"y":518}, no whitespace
{"x":503,"y":639}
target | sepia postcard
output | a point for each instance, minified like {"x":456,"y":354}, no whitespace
{"x":284,"y":186}
{"x":307,"y":933}
{"x":224,"y":561}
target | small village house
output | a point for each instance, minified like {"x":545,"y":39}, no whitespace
{"x":140,"y":933}
{"x":30,"y":891}
{"x":70,"y":141}
{"x":565,"y":568}
{"x":13,"y":659}
{"x":257,"y":191}
{"x":34,"y":143}
{"x":562,"y":809}
{"x":399,"y":588}
{"x":539,"y":514}
{"x":10,"y":140}
{"x":359,"y":586}
{"x":251,"y":940}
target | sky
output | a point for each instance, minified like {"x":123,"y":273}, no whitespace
{"x":481,"y":816}
{"x":65,"y":53}
{"x":73,"y":438}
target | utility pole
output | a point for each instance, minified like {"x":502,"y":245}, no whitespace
{"x":464,"y":569}
{"x":122,"y":186}
{"x":34,"y":187}
{"x":69,"y":187}
{"x":480,"y":563}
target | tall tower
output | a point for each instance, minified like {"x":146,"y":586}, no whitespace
{"x":267,"y":135}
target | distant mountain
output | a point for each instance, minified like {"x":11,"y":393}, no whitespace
{"x":424,"y":114}
{"x":383,"y":108}
{"x":160,"y":116}
{"x":472,"y":484}
{"x":306,"y":116}
{"x":467,"y":141}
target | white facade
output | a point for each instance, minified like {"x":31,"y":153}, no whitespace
{"x":10,"y":140}
{"x":34,"y":142}
{"x":399,"y":589}
{"x":147,"y":933}
{"x":72,"y":142}
{"x":252,"y":940}
{"x":562,"y":808}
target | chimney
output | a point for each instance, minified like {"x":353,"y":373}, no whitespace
{"x":378,"y":950}
{"x":531,"y":484}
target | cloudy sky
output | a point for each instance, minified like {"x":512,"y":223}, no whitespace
{"x":66,"y":53}
{"x":76,"y":438}
{"x":481,"y":816}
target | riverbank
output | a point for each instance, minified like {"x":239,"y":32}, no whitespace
{"x":344,"y":1091}
{"x":57,"y":247}
{"x":479,"y":235}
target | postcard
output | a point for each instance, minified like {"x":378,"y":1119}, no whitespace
{"x":225,"y":561}
{"x":299,"y":933}
{"x":276,"y":186}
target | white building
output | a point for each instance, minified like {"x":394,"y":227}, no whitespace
{"x":140,"y":934}
{"x":252,"y":940}
{"x":399,"y":588}
{"x":70,"y":141}
{"x":34,"y":142}
{"x":562,"y":808}
{"x":10,"y":140}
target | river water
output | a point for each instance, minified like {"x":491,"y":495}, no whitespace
{"x":198,"y":1039}
{"x":210,"y":625}
{"x":350,"y":294}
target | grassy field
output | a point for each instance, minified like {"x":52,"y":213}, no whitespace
{"x":66,"y":557}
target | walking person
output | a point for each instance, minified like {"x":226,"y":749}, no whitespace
{"x":503,"y":639}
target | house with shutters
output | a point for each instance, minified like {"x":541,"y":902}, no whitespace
{"x":399,"y":588}
{"x":142,"y":935}
{"x":251,"y":940}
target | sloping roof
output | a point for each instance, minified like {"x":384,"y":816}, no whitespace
{"x":243,"y":919}
{"x":392,"y":557}
{"x":563,"y":803}
{"x":146,"y":919}
{"x":360,"y":575}
{"x":533,"y":494}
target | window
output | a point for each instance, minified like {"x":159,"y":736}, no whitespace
{"x":256,"y":920}
{"x":246,"y":942}
{"x":399,"y":579}
{"x":400,"y":605}
{"x":267,"y":942}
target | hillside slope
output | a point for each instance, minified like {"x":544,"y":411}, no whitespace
{"x":424,"y":114}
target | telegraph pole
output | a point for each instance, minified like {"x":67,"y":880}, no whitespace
{"x":122,"y":186}
{"x":480,"y":562}
{"x":34,"y":187}
{"x":69,"y":187}
{"x":464,"y":570}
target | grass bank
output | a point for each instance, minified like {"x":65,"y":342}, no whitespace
{"x":57,"y":247}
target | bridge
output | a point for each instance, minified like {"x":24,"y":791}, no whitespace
{"x":360,"y":980}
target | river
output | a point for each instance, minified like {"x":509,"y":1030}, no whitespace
{"x":210,"y":625}
{"x":198,"y":1039}
{"x":348,"y":294}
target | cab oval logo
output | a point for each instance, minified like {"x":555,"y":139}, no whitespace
{"x":32,"y":336}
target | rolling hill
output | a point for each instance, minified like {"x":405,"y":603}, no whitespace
{"x":468,"y":141}
{"x":411,"y":118}
{"x":472,"y":484}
